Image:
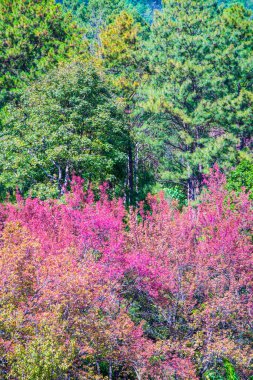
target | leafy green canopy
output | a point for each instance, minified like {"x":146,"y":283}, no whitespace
{"x":199,"y":94}
{"x":242,"y":176}
{"x":246,"y":3}
{"x":34,"y":36}
{"x":145,"y":7}
{"x":97,"y":13}
{"x":66,"y":122}
{"x":94,"y":14}
{"x":123,"y":61}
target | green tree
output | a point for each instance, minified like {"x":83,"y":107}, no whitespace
{"x":145,"y":7}
{"x":78,"y":8}
{"x":242,"y":176}
{"x":34,"y":36}
{"x":67,"y":121}
{"x":42,"y":359}
{"x":95,"y":15}
{"x":200,"y":90}
{"x":246,"y":3}
{"x":85,"y":10}
{"x":120,"y":49}
{"x":122,"y":58}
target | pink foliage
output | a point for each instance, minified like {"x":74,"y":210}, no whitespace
{"x":83,"y":257}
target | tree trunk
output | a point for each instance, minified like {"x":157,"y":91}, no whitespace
{"x":137,"y":374}
{"x":130,"y":174}
{"x":110,"y":370}
{"x":136,"y":164}
{"x":190,"y":190}
{"x":98,"y":368}
{"x":193,"y":188}
{"x":59,"y":179}
{"x":194,"y":183}
{"x":66,"y":180}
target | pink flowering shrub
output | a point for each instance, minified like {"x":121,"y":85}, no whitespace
{"x":157,"y":294}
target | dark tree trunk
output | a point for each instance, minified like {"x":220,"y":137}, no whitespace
{"x":194,"y":184}
{"x":136,"y":167}
{"x":131,"y":173}
{"x":110,"y":370}
{"x":98,"y":368}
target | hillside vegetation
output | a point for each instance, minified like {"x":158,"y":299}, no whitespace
{"x":126,"y":179}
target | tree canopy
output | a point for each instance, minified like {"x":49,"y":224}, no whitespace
{"x":65,"y":122}
{"x":34,"y":37}
{"x":200,"y":87}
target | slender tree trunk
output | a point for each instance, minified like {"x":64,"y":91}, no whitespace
{"x":66,"y":180}
{"x":137,"y":374}
{"x":136,"y":165}
{"x":60,"y":179}
{"x":131,"y":173}
{"x":98,"y":367}
{"x":194,"y":185}
{"x":191,"y":185}
{"x":199,"y":180}
{"x":110,"y":370}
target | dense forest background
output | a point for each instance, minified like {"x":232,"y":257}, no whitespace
{"x":126,"y":179}
{"x":171,"y":95}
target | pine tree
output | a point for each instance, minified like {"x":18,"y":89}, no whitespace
{"x":246,"y":3}
{"x":200,"y":91}
{"x":95,"y":15}
{"x":145,"y":7}
{"x":124,"y":63}
{"x":34,"y":37}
